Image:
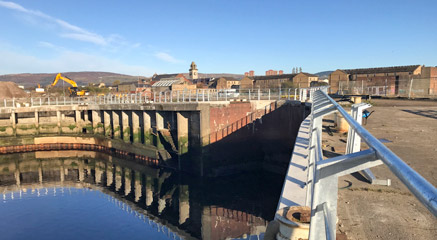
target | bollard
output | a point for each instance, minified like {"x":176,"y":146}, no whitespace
{"x":294,"y":223}
{"x":341,"y":123}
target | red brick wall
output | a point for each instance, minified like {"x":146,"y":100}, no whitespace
{"x":222,"y":116}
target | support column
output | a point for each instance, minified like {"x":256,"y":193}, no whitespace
{"x":182,"y":132}
{"x":37,"y":122}
{"x":58,"y":117}
{"x":147,"y":123}
{"x":14,"y":122}
{"x":107,"y":123}
{"x":126,"y":127}
{"x":116,"y":125}
{"x":136,"y":130}
{"x":97,"y":122}
{"x":159,"y":120}
{"x":78,"y":121}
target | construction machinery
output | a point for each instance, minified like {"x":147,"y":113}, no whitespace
{"x":73,"y":89}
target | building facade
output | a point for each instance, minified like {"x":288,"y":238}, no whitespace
{"x":304,"y":80}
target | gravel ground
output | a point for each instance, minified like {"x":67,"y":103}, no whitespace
{"x":379,"y":212}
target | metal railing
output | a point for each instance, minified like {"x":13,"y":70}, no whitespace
{"x":199,"y":95}
{"x":323,"y":174}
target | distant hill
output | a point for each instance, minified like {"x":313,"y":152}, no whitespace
{"x":81,"y":78}
{"x":30,"y":80}
{"x":324,"y":74}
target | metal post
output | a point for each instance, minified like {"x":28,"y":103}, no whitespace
{"x":217,"y":94}
{"x":183,"y":96}
{"x":178,"y":96}
{"x":189,"y":96}
{"x":48,"y":100}
{"x":40,"y":102}
{"x":226,"y":96}
{"x":288,"y":95}
{"x":249,"y":94}
{"x":171,"y":96}
{"x":165,"y":96}
{"x":295,"y":93}
{"x":197,"y":95}
{"x":208,"y":94}
{"x":203,"y":95}
{"x":259,"y":94}
{"x":269,"y":93}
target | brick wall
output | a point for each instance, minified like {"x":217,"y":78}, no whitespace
{"x":224,"y":115}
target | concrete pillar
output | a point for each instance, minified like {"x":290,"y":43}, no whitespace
{"x":79,"y":123}
{"x":136,"y":130}
{"x":97,"y":122}
{"x":37,"y":122}
{"x":147,"y":124}
{"x":149,"y":191}
{"x":126,"y":126}
{"x":14,"y":122}
{"x":138,"y":186}
{"x":116,"y":125}
{"x":117,"y":178}
{"x":182,"y":132}
{"x":184,"y":204}
{"x":159,"y":121}
{"x":107,"y":123}
{"x":58,"y":118}
{"x":127,"y":181}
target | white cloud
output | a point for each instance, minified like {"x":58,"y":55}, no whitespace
{"x":66,"y":61}
{"x":69,"y":30}
{"x":167,"y":57}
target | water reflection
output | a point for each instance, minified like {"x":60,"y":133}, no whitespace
{"x":179,"y":206}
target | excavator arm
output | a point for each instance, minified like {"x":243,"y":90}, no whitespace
{"x":65,"y":79}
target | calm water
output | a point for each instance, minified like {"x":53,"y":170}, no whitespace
{"x":83,"y":195}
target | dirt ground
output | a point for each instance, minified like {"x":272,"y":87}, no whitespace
{"x":11,"y":90}
{"x":368,"y":211}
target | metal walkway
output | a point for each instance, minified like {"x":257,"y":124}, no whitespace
{"x":312,"y":180}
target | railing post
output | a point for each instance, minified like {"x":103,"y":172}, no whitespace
{"x":171,"y":96}
{"x":269,"y":93}
{"x":208,"y":94}
{"x":48,"y":100}
{"x":40,"y":101}
{"x":165,"y":96}
{"x":259,"y":94}
{"x":226,"y":95}
{"x":183,"y":96}
{"x":197,"y":95}
{"x":203,"y":95}
{"x":295,"y":93}
{"x":177,"y":96}
{"x":189,"y":96}
{"x":249,"y":94}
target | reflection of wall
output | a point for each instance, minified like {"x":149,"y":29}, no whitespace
{"x":172,"y":202}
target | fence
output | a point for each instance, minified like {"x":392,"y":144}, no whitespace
{"x":408,"y":87}
{"x":199,"y":95}
{"x":322,"y":174}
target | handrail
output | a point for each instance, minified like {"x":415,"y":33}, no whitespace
{"x":424,"y":191}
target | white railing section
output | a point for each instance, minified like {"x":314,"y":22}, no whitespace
{"x":323,"y":174}
{"x":199,"y":95}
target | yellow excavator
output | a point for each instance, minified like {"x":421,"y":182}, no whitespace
{"x":72,"y":89}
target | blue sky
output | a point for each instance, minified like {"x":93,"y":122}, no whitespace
{"x":232,"y":36}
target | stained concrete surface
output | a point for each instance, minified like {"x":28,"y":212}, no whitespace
{"x":380,"y":212}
